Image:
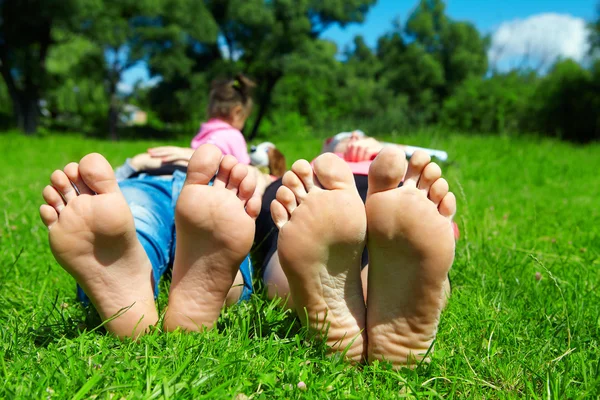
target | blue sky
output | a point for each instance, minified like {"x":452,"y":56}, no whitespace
{"x":487,"y":15}
{"x":545,"y":28}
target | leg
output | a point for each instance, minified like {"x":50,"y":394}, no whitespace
{"x":411,"y":250}
{"x":265,"y":249}
{"x":235,"y":292}
{"x":276,"y":282}
{"x":150,"y":202}
{"x":92,"y":236}
{"x":215,"y":230}
{"x":322,"y":227}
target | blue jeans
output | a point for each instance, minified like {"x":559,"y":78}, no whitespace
{"x":152,"y":202}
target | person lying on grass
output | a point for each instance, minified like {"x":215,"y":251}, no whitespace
{"x":323,"y":224}
{"x":151,"y":185}
{"x":338,"y":232}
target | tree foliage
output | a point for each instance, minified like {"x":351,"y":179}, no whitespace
{"x":429,"y":69}
{"x":26,"y":36}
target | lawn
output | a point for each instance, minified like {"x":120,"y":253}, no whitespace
{"x":523,"y":320}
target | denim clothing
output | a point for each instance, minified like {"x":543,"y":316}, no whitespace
{"x":152,"y":202}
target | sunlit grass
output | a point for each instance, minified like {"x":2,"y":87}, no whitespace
{"x":523,"y":320}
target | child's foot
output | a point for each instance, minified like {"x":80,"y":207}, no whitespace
{"x":411,"y":250}
{"x":215,"y":230}
{"x":322,"y":226}
{"x":92,"y":236}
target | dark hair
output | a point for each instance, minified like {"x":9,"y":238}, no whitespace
{"x":226,"y":94}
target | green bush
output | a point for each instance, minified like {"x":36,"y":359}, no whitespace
{"x":499,"y":104}
{"x":284,"y":125}
{"x":567,"y":102}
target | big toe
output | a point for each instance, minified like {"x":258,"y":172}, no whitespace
{"x":97,"y":174}
{"x":204,"y":164}
{"x":387,"y":170}
{"x":332,"y":172}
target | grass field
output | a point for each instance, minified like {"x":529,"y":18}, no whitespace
{"x":523,"y":320}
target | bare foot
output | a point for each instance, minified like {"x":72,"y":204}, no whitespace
{"x":411,"y":250}
{"x":92,"y":236}
{"x":215,"y":230}
{"x":322,"y":226}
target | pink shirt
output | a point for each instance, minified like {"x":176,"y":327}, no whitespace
{"x":225,"y":137}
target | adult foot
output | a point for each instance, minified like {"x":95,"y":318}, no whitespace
{"x":92,"y":236}
{"x":215,"y":230}
{"x":411,"y":250}
{"x":322,"y":227}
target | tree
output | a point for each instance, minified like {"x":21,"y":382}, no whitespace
{"x":260,"y":38}
{"x":26,"y":36}
{"x":595,"y":33}
{"x":498,"y":104}
{"x":117,"y":28}
{"x":75,"y":96}
{"x":431,"y":57}
{"x":567,"y":102}
{"x":185,"y":54}
{"x":411,"y":71}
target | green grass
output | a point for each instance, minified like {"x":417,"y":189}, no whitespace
{"x":526,"y":206}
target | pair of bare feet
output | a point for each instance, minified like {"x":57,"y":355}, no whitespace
{"x":324,"y":227}
{"x":93,"y":237}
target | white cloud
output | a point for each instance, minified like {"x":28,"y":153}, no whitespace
{"x":124,"y":88}
{"x":538,"y":41}
{"x":151,"y":82}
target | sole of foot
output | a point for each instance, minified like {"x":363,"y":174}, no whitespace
{"x":411,"y":250}
{"x":322,"y":226}
{"x":92,"y":236}
{"x":215,"y":231}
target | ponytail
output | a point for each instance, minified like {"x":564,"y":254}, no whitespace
{"x":226,"y":94}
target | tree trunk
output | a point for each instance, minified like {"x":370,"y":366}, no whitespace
{"x":113,"y":115}
{"x":113,"y":112}
{"x":264,"y":103}
{"x":26,"y":112}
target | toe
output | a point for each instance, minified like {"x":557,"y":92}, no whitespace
{"x":387,"y":170}
{"x":447,"y":206}
{"x":72,"y":172}
{"x":247,"y":186}
{"x":225,"y":168}
{"x":279,"y":214}
{"x":62,"y":184}
{"x":416,"y":165}
{"x":438,"y":190}
{"x":253,"y":206}
{"x":294,"y":183}
{"x":431,"y":173}
{"x":53,"y":198}
{"x":238,"y":173}
{"x":97,"y":174}
{"x":333,"y":173}
{"x":203,"y":165}
{"x":304,"y":171}
{"x":287,"y":199}
{"x":48,"y":214}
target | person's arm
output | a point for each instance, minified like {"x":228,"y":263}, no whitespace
{"x":171,"y":154}
{"x":145,"y":161}
{"x":136,"y":163}
{"x":125,"y":171}
{"x":363,"y":150}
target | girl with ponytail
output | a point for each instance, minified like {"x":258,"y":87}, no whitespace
{"x":229,"y":106}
